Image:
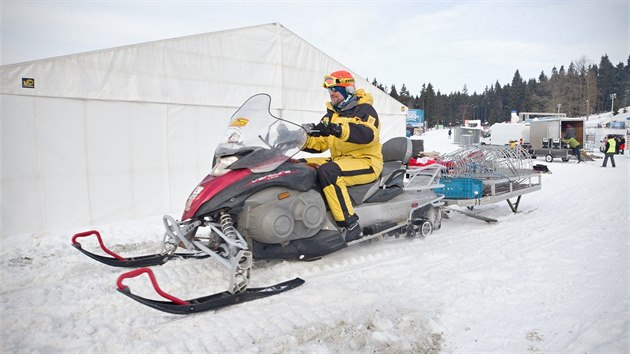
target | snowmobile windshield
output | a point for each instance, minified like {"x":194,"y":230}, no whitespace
{"x":260,"y":141}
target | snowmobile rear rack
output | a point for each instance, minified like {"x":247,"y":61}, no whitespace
{"x":423,"y":177}
{"x":211,"y":302}
{"x":132,"y":262}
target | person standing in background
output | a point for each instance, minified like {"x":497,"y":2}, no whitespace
{"x":611,"y":149}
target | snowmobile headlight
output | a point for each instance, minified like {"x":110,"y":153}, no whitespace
{"x":222,"y":165}
{"x":193,"y":196}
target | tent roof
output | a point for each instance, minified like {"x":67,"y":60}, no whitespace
{"x":220,"y":68}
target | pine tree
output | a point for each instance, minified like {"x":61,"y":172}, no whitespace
{"x":573,"y":91}
{"x":556,"y":83}
{"x":393,"y":93}
{"x":541,"y":93}
{"x":405,"y":97}
{"x":380,"y":86}
{"x":620,"y":86}
{"x":429,"y":105}
{"x":591,"y":89}
{"x":581,"y":89}
{"x":605,"y":78}
{"x":516,"y":94}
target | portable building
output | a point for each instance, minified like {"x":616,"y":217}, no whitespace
{"x":128,"y":132}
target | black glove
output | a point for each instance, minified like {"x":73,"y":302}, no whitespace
{"x":316,"y":130}
{"x":325,"y":129}
{"x":334,"y":129}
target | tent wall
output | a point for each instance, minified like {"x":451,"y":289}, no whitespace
{"x":128,"y":132}
{"x":83,"y":162}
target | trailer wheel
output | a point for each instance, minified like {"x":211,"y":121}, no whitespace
{"x":419,"y":228}
{"x":549,"y":158}
{"x":426,"y":228}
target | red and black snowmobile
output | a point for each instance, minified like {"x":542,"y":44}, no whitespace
{"x":260,"y":203}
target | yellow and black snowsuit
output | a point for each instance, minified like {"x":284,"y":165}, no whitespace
{"x":356,"y":156}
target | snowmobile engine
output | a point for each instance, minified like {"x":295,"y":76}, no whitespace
{"x":277,"y":215}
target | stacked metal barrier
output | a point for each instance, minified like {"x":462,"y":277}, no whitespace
{"x":487,"y":162}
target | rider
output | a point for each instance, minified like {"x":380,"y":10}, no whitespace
{"x":350,"y":129}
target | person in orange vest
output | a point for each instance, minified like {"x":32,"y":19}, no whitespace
{"x":611,"y":149}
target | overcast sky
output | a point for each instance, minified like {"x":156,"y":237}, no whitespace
{"x":447,"y":43}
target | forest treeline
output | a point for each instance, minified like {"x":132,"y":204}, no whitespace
{"x":578,"y":90}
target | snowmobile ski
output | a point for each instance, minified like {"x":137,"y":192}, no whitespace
{"x":476,"y":216}
{"x":201,"y":304}
{"x":131,"y":262}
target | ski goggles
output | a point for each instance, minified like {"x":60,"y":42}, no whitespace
{"x":344,"y":91}
{"x":335,"y":89}
{"x":331,"y":81}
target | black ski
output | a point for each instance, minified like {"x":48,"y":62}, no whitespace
{"x":128,"y":262}
{"x":140,"y":261}
{"x":476,"y":216}
{"x":206,"y":303}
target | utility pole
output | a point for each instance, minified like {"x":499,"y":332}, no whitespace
{"x":612,"y":103}
{"x":587,"y":110}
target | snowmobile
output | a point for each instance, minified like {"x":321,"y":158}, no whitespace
{"x":259,"y":202}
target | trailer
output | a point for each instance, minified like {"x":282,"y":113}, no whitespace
{"x":487,"y":174}
{"x":494,"y":190}
{"x":546,"y":135}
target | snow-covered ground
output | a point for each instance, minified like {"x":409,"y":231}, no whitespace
{"x":602,"y":119}
{"x":552,"y":278}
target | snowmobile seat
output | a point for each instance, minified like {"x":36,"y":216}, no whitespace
{"x":396,"y":153}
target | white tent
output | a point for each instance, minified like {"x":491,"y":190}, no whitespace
{"x":128,"y":132}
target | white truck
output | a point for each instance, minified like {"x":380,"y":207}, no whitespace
{"x":505,"y":134}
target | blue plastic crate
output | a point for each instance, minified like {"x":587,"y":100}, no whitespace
{"x":460,"y":188}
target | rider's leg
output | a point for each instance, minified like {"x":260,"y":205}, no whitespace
{"x":334,"y":178}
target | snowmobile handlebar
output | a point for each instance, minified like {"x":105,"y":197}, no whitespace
{"x":308,"y":127}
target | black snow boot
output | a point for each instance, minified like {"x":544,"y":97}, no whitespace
{"x":353,"y":232}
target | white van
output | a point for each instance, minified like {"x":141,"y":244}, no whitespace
{"x":506,"y":133}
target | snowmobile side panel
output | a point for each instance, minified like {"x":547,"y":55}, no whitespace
{"x":290,"y":175}
{"x":209,"y":188}
{"x":323,"y":243}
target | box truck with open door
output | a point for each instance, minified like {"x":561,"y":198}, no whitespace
{"x":546,"y":137}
